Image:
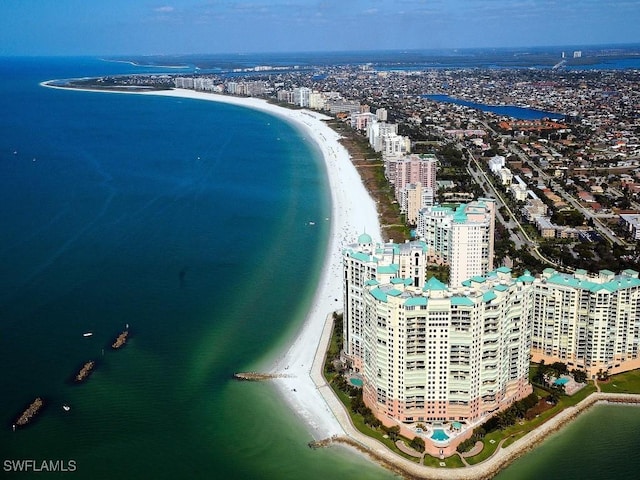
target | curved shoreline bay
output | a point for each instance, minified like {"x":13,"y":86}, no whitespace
{"x":303,"y":387}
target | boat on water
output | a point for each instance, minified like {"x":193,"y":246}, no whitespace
{"x":87,"y":334}
{"x":66,"y":407}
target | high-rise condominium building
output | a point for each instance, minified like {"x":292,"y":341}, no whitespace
{"x":463,"y":237}
{"x":435,"y":354}
{"x":589,"y":322}
{"x":364,"y":262}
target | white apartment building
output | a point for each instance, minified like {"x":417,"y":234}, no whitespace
{"x":435,"y":354}
{"x":462,"y":238}
{"x":365,"y":261}
{"x":301,"y":96}
{"x":432,"y":353}
{"x":381,"y":114}
{"x":589,"y":322}
{"x":376,"y":131}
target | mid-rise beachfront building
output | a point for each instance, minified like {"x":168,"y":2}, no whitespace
{"x":377,"y":131}
{"x":589,"y":322}
{"x":414,"y":198}
{"x":410,"y":169}
{"x":364,"y":262}
{"x":435,"y":354}
{"x":301,"y":96}
{"x":463,"y":237}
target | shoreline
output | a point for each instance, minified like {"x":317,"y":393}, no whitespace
{"x":304,"y":389}
{"x":353,"y":212}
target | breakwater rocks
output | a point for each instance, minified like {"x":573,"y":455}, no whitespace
{"x":29,"y":413}
{"x":121,"y":340}
{"x":258,"y":377}
{"x":85,"y":371}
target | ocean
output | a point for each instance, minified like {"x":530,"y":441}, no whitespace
{"x":189,"y":221}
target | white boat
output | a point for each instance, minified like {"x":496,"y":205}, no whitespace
{"x":88,"y":334}
{"x":66,"y":407}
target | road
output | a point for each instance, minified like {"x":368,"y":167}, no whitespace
{"x":602,"y":229}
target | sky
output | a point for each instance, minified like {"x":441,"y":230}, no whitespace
{"x":151,"y":27}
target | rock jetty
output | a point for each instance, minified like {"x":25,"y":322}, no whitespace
{"x":121,"y":340}
{"x":85,"y":371}
{"x":29,"y":413}
{"x":257,"y":377}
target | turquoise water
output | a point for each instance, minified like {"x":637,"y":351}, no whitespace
{"x":561,"y":381}
{"x":356,"y":382}
{"x":189,"y":221}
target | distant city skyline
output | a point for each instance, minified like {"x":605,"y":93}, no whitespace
{"x":122,"y":27}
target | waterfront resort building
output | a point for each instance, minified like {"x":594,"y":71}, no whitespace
{"x":365,"y":262}
{"x":433,"y":353}
{"x":462,"y":238}
{"x":589,"y":322}
{"x":437,"y":354}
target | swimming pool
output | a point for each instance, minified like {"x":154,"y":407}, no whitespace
{"x":439,"y":436}
{"x":561,"y":381}
{"x":356,"y":382}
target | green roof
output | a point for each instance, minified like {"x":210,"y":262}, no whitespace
{"x":504,"y":270}
{"x":404,"y":281}
{"x":362,"y":257}
{"x":388,"y":269}
{"x":434,"y":284}
{"x":488,"y":296}
{"x":379,"y":295}
{"x":459,"y":216}
{"x":618,"y":283}
{"x":415,"y":301}
{"x":525,"y":277}
{"x":462,"y":301}
{"x":365,"y":238}
{"x":371,"y":282}
{"x":394,"y":293}
{"x":501,"y":288}
{"x":478,"y":279}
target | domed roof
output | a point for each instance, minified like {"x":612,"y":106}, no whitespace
{"x":365,"y":238}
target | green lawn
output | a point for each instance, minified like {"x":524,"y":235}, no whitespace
{"x":453,"y":461}
{"x":358,"y":422}
{"x":627,"y":382}
{"x":514,"y":432}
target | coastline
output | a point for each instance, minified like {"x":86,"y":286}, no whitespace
{"x":353,"y":211}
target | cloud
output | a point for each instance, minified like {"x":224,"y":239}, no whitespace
{"x":164,"y":9}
